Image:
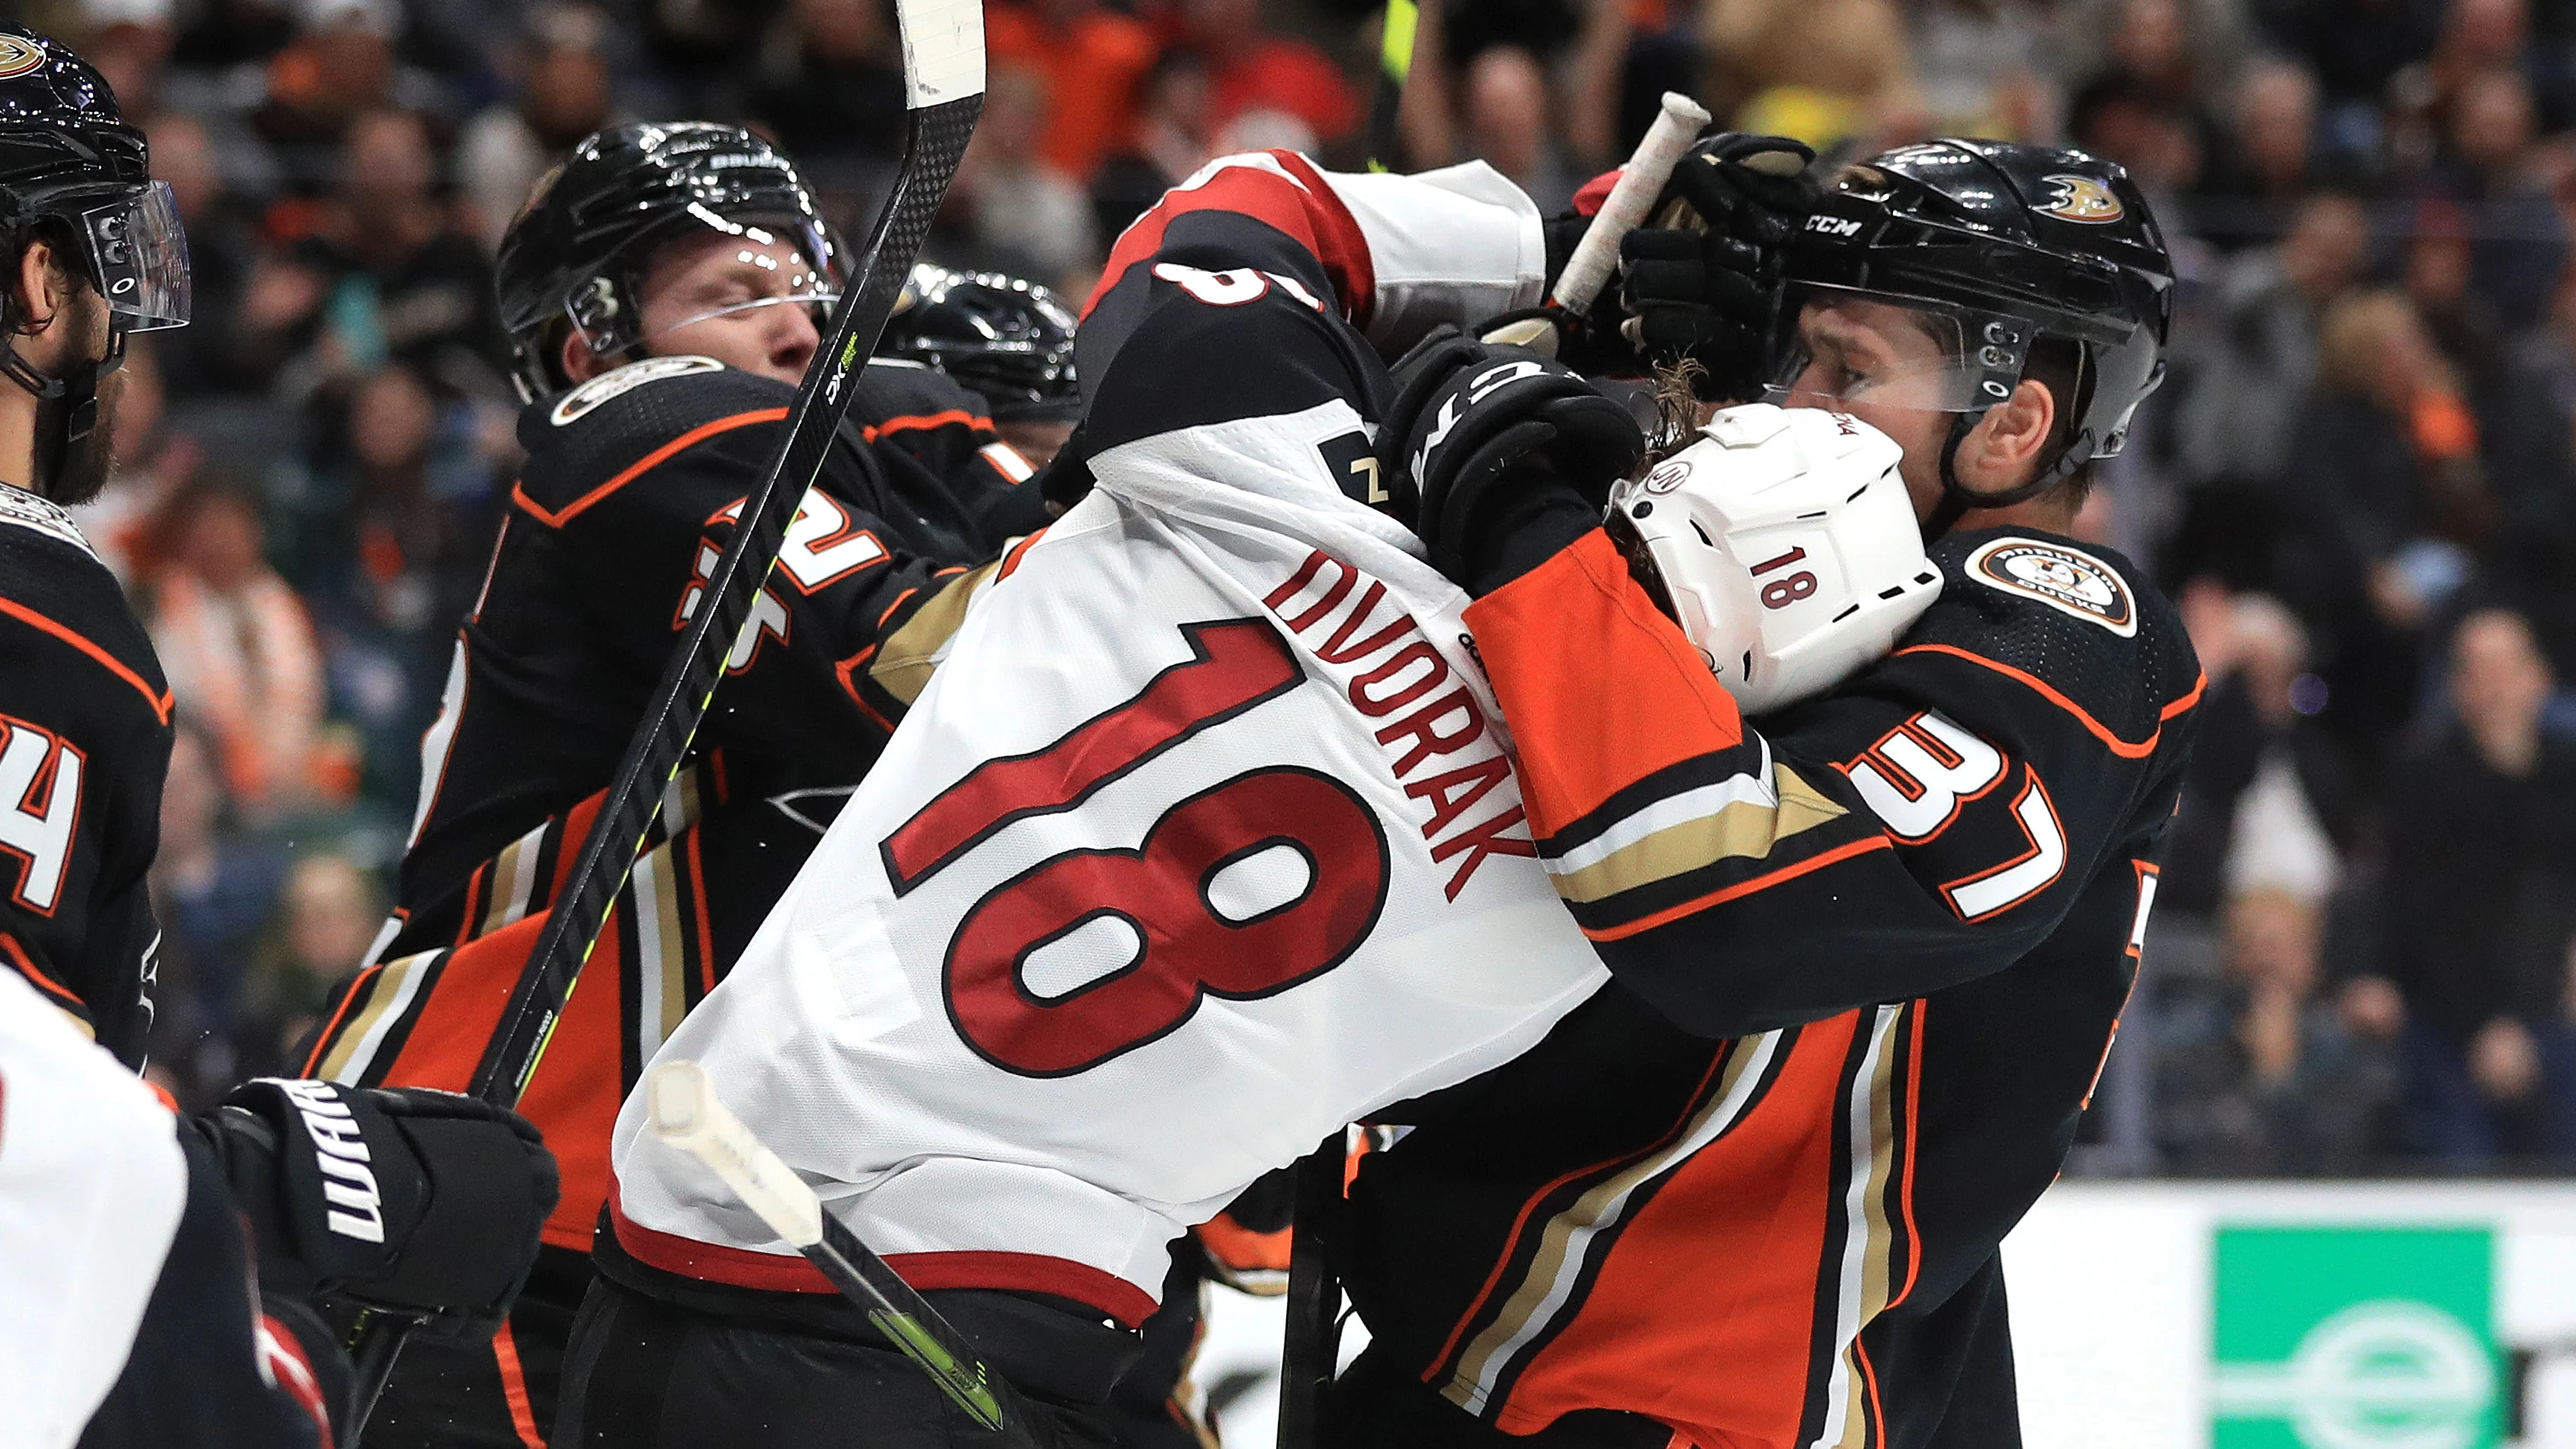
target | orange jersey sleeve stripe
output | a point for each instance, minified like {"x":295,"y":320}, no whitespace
{"x":2094,"y":727}
{"x":557,"y":518}
{"x":1599,"y":688}
{"x":920,"y":422}
{"x":1740,"y":889}
{"x":26,"y":965}
{"x":159,"y":701}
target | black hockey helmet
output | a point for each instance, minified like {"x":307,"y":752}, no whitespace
{"x":1996,"y":246}
{"x":1008,"y":339}
{"x":578,"y":249}
{"x":73,"y":173}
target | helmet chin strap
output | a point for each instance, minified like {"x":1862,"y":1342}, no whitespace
{"x":66,"y":406}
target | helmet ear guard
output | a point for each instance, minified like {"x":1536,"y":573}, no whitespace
{"x":1784,"y":544}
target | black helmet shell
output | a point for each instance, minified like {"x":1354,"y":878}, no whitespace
{"x":579,"y":246}
{"x":1007,"y":338}
{"x":62,"y":138}
{"x":2057,"y":237}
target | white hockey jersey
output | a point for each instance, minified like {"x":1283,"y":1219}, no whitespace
{"x":1201,"y":842}
{"x":91,"y":1185}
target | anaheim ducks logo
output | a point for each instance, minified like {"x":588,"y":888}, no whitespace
{"x":2068,"y":580}
{"x":2081,"y":198}
{"x":19,"y":55}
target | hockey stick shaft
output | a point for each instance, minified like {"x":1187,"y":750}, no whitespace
{"x":1396,"y":35}
{"x":1310,"y":1345}
{"x":682,"y":1106}
{"x":1596,"y":256}
{"x":943,"y":63}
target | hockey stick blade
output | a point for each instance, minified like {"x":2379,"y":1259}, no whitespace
{"x":943,"y":71}
{"x":680,"y":1102}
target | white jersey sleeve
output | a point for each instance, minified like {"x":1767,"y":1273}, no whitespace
{"x":92,"y":1182}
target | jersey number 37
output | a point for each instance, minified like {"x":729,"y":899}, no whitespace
{"x":1189,"y":943}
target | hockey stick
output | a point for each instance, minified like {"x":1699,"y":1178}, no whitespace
{"x":1596,"y":256}
{"x":681,"y":1103}
{"x":1310,"y":1348}
{"x":1394,"y":65}
{"x":943,"y":72}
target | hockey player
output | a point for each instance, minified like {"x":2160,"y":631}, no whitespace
{"x":1201,"y":843}
{"x":155,"y":1269}
{"x":663,"y":290}
{"x":1009,"y":340}
{"x":124,"y":1302}
{"x":1868,"y":951}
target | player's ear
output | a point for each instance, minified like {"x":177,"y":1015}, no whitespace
{"x":2004,"y":449}
{"x":39,"y":288}
{"x":578,"y":361}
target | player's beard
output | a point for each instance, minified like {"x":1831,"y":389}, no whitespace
{"x":81,"y":469}
{"x":81,"y":472}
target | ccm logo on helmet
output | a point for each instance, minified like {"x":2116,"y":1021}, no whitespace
{"x":357,"y":1209}
{"x":1833,"y":225}
{"x":2081,"y":198}
{"x":2068,"y":580}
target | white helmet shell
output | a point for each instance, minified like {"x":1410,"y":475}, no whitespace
{"x":1789,"y":547}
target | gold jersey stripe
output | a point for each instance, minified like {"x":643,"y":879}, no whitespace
{"x":1746,"y":829}
{"x":902,"y":668}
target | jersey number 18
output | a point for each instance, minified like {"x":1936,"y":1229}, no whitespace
{"x":1188,"y":945}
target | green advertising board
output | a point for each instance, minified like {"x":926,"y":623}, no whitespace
{"x":2354,"y":1338}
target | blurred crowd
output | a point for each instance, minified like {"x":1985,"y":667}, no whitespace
{"x":2359,"y":477}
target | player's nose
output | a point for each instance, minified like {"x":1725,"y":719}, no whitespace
{"x":793,"y":341}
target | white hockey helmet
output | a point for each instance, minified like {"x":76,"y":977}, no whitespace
{"x":1785,"y":546}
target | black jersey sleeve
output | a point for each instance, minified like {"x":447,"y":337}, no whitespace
{"x":913,"y":415}
{"x":1929,"y":822}
{"x":84,"y":743}
{"x":642,"y":497}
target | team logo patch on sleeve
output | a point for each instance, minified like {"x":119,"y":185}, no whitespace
{"x":591,"y":394}
{"x":2068,"y":580}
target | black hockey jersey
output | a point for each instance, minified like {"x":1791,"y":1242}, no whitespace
{"x":624,"y":505}
{"x":1868,"y":956}
{"x":84,"y":744}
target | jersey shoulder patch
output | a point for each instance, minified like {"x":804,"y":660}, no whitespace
{"x":2061,"y":576}
{"x":663,"y":415}
{"x":22,"y":509}
{"x":581,"y":400}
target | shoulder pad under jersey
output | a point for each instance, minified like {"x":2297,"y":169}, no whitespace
{"x":601,"y":432}
{"x":2068,"y":618}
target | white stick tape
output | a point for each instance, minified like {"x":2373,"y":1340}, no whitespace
{"x":681,"y":1103}
{"x":1640,"y":182}
{"x":943,"y":49}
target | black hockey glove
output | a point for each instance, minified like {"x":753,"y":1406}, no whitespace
{"x":1703,"y":281}
{"x":416,"y":1201}
{"x":1494,"y":439}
